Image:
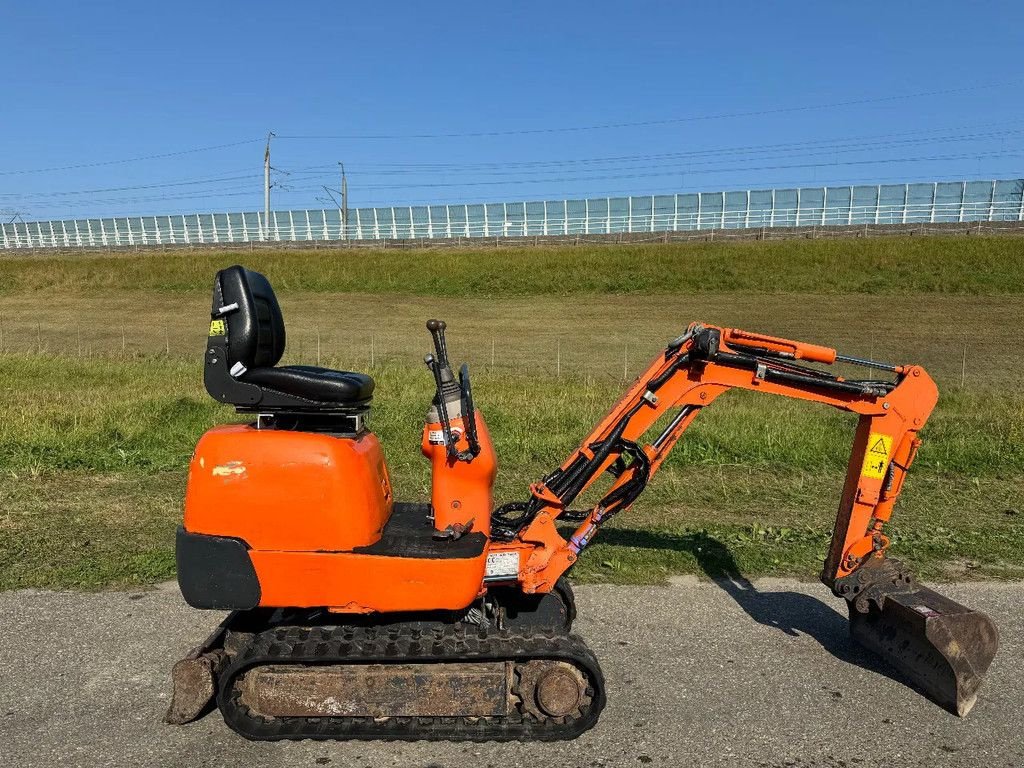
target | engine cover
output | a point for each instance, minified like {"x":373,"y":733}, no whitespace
{"x":282,"y":490}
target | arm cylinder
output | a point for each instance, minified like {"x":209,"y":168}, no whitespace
{"x":798,"y":350}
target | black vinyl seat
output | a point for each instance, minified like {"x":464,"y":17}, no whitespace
{"x":247,"y":340}
{"x":314,"y":383}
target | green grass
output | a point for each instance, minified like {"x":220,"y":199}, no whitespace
{"x":103,"y":401}
{"x":959,"y":265}
{"x":94,"y":450}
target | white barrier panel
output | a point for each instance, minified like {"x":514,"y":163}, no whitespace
{"x":935,"y":202}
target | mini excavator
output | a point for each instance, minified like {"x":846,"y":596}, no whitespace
{"x":356,"y":616}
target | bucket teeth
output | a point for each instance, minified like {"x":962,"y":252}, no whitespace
{"x":940,"y":646}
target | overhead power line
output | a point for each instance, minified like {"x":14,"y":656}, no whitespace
{"x":663,"y":121}
{"x":677,"y":171}
{"x":185,"y":183}
{"x":129,"y":159}
{"x":683,"y":160}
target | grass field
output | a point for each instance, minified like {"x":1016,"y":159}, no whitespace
{"x":100,"y":371}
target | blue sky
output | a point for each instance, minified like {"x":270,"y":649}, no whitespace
{"x":455,"y":102}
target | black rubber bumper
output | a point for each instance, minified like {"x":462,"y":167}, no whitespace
{"x":216,"y":572}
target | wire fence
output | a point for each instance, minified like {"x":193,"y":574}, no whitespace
{"x":885,"y":204}
{"x":955,"y":360}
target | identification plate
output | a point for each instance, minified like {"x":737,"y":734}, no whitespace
{"x":502,"y":564}
{"x":436,"y":436}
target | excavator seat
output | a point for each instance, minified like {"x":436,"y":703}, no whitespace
{"x":247,"y":340}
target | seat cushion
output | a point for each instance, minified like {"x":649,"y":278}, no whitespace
{"x":312,"y":383}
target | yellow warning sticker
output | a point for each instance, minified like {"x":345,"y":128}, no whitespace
{"x":218,"y":328}
{"x":876,"y":460}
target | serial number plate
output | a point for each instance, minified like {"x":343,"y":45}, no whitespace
{"x":502,"y":564}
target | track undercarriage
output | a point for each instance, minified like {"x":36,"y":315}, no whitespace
{"x":508,"y":669}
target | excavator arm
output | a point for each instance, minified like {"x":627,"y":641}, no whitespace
{"x":695,"y":370}
{"x":887,"y":607}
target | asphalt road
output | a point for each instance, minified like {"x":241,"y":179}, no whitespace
{"x":698,"y":674}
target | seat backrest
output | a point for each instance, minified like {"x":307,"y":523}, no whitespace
{"x":255,"y":329}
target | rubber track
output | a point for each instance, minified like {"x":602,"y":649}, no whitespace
{"x":394,"y":644}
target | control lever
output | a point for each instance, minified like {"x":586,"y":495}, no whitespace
{"x":442,"y":406}
{"x":468,"y":412}
{"x":436,"y":328}
{"x":451,"y":391}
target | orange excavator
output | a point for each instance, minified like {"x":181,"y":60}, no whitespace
{"x":356,"y":616}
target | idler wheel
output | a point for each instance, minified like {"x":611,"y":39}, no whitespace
{"x":560,"y":691}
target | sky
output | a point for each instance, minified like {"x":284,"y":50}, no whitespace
{"x":148,"y":108}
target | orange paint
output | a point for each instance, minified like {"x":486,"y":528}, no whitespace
{"x":461,"y":491}
{"x":356,"y":583}
{"x":303,"y":502}
{"x":278,"y":489}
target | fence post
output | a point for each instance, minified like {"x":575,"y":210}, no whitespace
{"x":992,"y":202}
{"x":963,"y":201}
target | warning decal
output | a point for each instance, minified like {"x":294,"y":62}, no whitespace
{"x":876,"y":460}
{"x":217,"y":328}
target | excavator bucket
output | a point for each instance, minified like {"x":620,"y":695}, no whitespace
{"x":942,"y":647}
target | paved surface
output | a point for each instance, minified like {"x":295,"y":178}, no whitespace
{"x":698,"y":674}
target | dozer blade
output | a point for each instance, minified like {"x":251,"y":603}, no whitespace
{"x":194,"y":685}
{"x":194,"y":678}
{"x":942,"y":647}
